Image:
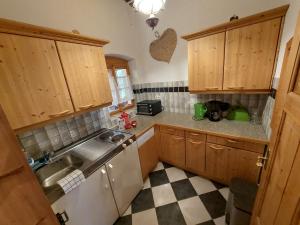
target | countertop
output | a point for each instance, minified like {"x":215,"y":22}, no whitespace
{"x":227,"y":128}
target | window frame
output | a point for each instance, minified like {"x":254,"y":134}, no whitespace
{"x":113,"y":64}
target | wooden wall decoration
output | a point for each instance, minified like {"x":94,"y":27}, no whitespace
{"x":163,"y":48}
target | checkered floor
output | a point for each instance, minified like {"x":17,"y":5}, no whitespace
{"x":172,"y":196}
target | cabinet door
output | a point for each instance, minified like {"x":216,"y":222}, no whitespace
{"x":205,"y":62}
{"x":250,"y":55}
{"x":173,"y":150}
{"x":91,"y":203}
{"x":148,"y":156}
{"x":217,"y":162}
{"x":195,"y":155}
{"x":125,"y":176}
{"x":86,"y":74}
{"x":32,"y":84}
{"x":243,"y":164}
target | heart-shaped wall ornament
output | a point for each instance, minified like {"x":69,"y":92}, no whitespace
{"x":163,"y":48}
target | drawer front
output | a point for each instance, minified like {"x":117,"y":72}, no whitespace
{"x":195,"y":135}
{"x":254,"y":147}
{"x":171,"y":130}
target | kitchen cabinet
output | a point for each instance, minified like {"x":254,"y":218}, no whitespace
{"x":148,"y":153}
{"x":237,"y":56}
{"x":217,"y":162}
{"x":91,"y":203}
{"x":86,"y":74}
{"x":250,"y":53}
{"x":205,"y":63}
{"x":173,"y":149}
{"x":23,"y":201}
{"x":32,"y":84}
{"x":195,"y":155}
{"x":125,"y":176}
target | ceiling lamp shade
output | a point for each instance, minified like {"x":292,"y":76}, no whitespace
{"x":149,"y":7}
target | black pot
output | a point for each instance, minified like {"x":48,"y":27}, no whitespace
{"x":216,"y":109}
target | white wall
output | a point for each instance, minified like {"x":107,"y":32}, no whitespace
{"x":108,"y":19}
{"x":187,"y":17}
{"x":288,"y":31}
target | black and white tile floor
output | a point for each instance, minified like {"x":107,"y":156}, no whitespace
{"x":172,"y":196}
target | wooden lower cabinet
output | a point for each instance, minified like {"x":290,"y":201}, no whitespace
{"x":195,"y":155}
{"x":223,"y":163}
{"x":148,"y":156}
{"x":173,"y":149}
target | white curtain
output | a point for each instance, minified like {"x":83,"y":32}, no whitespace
{"x":113,"y":87}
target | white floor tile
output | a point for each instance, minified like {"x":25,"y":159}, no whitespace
{"x":193,"y":211}
{"x":220,"y":221}
{"x":224,"y":192}
{"x":128,"y":211}
{"x":147,"y":217}
{"x":163,"y":195}
{"x":202,"y":185}
{"x":159,"y":166}
{"x":175,"y":174}
{"x":147,"y":183}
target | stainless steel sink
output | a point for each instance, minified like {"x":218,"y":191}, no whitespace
{"x":53,"y":172}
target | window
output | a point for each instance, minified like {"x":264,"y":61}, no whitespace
{"x":120,"y":84}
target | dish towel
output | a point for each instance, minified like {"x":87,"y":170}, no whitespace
{"x":71,"y":181}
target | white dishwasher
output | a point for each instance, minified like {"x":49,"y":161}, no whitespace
{"x":124,"y":172}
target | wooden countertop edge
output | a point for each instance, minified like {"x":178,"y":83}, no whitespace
{"x":254,"y":140}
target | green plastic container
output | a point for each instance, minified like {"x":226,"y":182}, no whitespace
{"x":238,"y":113}
{"x":200,"y":110}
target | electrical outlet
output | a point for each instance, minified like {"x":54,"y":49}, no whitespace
{"x":157,"y":96}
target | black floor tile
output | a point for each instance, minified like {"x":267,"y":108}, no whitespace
{"x":125,"y":220}
{"x":158,"y":178}
{"x":218,"y":185}
{"x":211,"y":222}
{"x":166,"y":165}
{"x":143,"y":201}
{"x":170,"y":215}
{"x":214,"y":203}
{"x":183,"y":189}
{"x":189,"y":174}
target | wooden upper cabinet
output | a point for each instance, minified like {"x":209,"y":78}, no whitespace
{"x":86,"y":74}
{"x":250,"y":55}
{"x":205,"y":62}
{"x":32,"y":84}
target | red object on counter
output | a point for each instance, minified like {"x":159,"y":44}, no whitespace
{"x":128,"y":124}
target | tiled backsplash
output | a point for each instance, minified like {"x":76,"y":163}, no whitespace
{"x":57,"y":135}
{"x":176,"y":98}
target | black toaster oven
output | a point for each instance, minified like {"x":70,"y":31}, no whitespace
{"x":149,"y":107}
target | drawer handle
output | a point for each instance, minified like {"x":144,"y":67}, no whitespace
{"x":211,"y":88}
{"x":59,"y":114}
{"x":231,"y":141}
{"x":86,"y":106}
{"x":215,"y":147}
{"x":196,"y":142}
{"x":194,"y":134}
{"x":178,"y":138}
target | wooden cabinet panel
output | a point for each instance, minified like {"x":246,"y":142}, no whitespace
{"x":217,"y":162}
{"x":196,"y":135}
{"x":173,"y":150}
{"x":23,"y":201}
{"x":205,"y":63}
{"x":148,"y":156}
{"x":243,"y":164}
{"x":250,"y":55}
{"x":32,"y":84}
{"x":195,"y":155}
{"x":171,"y":130}
{"x":86,"y":74}
{"x":236,"y":143}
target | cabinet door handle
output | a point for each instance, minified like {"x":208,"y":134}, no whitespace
{"x":59,"y":114}
{"x":194,"y":134}
{"x":103,"y":171}
{"x":86,"y":106}
{"x":211,"y":88}
{"x":196,"y":142}
{"x":178,"y":138}
{"x":110,"y":166}
{"x":235,"y":88}
{"x":215,"y":147}
{"x":231,"y":141}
